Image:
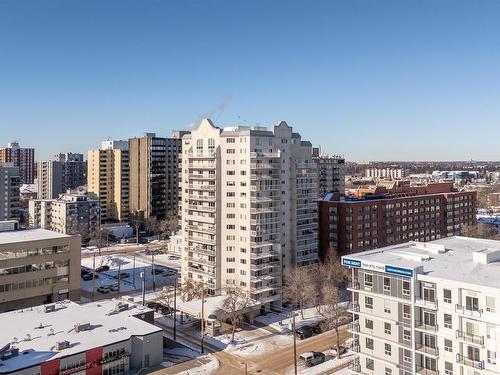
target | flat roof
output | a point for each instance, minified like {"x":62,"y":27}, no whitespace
{"x":23,"y":235}
{"x":35,"y":332}
{"x":451,"y":258}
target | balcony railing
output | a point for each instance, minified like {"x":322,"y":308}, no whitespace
{"x":474,"y":363}
{"x":469,"y":337}
{"x":421,"y":302}
{"x":354,"y":366}
{"x":425,"y":371}
{"x":426,"y":326}
{"x":353,"y":307}
{"x":468,"y":310}
{"x":354,"y":285}
{"x":354,"y":327}
{"x":422,"y":348}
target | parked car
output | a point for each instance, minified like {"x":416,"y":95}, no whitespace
{"x":88,"y":276}
{"x":157,"y":270}
{"x":310,"y":359}
{"x":121,"y":275}
{"x":342,"y":348}
{"x":317,"y":329}
{"x":103,"y":289}
{"x":174,"y":257}
{"x":169,"y":272}
{"x":102,"y":269}
{"x":114,"y":287}
{"x":154,"y":305}
{"x":304,"y":332}
{"x":85,"y":271}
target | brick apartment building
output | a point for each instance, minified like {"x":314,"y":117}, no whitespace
{"x":384,"y":216}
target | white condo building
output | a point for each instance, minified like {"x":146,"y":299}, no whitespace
{"x":426,"y":308}
{"x":248,"y":208}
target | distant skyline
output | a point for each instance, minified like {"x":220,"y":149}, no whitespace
{"x":370,"y":80}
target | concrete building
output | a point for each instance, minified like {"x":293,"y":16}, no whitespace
{"x":387,"y":173}
{"x":10,"y":182}
{"x":108,"y":179}
{"x":71,"y":213}
{"x":331,"y":173}
{"x":106,"y":337}
{"x":426,"y":308}
{"x":248,"y":209}
{"x":384,"y":216}
{"x":66,"y":171}
{"x":37,"y":266}
{"x":23,"y":158}
{"x":154,"y":175}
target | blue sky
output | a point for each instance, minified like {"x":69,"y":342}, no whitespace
{"x":373,"y":80}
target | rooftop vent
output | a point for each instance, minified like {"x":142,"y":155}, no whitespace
{"x":50,"y":308}
{"x":60,"y":345}
{"x":82,"y":327}
{"x":486,"y":256}
{"x":10,"y":353}
{"x":430,"y":247}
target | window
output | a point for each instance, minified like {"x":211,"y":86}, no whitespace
{"x":407,"y":335}
{"x":407,"y":356}
{"x":388,"y":371}
{"x":447,"y":295}
{"x":447,"y":321}
{"x":369,"y":364}
{"x":387,"y":306}
{"x":406,"y":312}
{"x":368,"y":280}
{"x":369,"y":343}
{"x":387,"y":284}
{"x":448,"y":368}
{"x":387,"y":349}
{"x":369,"y":324}
{"x":369,"y":302}
{"x":448,"y":346}
{"x":471,"y":303}
{"x":490,"y":304}
{"x":492,"y":357}
{"x":387,"y":328}
{"x":406,"y":288}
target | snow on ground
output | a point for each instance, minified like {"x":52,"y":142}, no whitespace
{"x":208,"y":365}
{"x":283,"y":321}
{"x":89,"y":250}
{"x":330,"y":364}
{"x":344,"y":371}
{"x":126,"y":263}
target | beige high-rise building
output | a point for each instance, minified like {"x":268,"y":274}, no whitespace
{"x":331,"y":172}
{"x":37,"y":266}
{"x":108,"y":179}
{"x":248,"y":208}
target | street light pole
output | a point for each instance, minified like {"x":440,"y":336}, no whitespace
{"x":294,"y":345}
{"x":133,"y":278}
{"x":175,"y":305}
{"x":153,"y":270}
{"x":202,"y":320}
{"x":143,"y":280}
{"x":93,"y":278}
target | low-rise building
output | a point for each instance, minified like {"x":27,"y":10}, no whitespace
{"x":426,"y":308}
{"x":105,"y":337}
{"x":71,"y":213}
{"x":37,"y":266}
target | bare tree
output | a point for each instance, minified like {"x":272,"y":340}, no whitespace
{"x":235,"y":305}
{"x":136,"y":220}
{"x":190,"y":290}
{"x":152,"y":225}
{"x":166,"y":296}
{"x":298,"y":287}
{"x":480,"y":230}
{"x":328,"y":282}
{"x":169,"y":226}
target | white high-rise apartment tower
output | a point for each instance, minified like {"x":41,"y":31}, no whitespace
{"x":248,"y":208}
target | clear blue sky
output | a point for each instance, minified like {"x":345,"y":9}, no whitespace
{"x":373,"y":80}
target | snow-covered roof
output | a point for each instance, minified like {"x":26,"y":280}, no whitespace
{"x":35,"y":332}
{"x":15,"y":236}
{"x":469,"y":260}
{"x":213,"y":305}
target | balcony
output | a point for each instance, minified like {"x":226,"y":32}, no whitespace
{"x":469,"y":311}
{"x":354,"y":285}
{"x":423,"y":349}
{"x":353,"y":307}
{"x":210,"y":198}
{"x":429,"y":304}
{"x":198,"y":207}
{"x":470,"y":362}
{"x":200,"y":261}
{"x":263,"y":154}
{"x":202,"y":271}
{"x":196,"y":176}
{"x":199,"y":250}
{"x":354,"y":366}
{"x":425,"y":371}
{"x":202,"y":187}
{"x":426,"y":326}
{"x":353,"y":327}
{"x":469,"y":337}
{"x":199,"y":228}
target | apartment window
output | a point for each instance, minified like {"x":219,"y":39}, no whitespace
{"x":448,"y":368}
{"x":230,"y":151}
{"x":211,"y":144}
{"x":490,"y":304}
{"x":448,"y":346}
{"x":387,"y":284}
{"x":230,"y":270}
{"x":229,"y":260}
{"x":369,"y":302}
{"x":492,"y":357}
{"x":369,"y":364}
{"x":243,"y":272}
{"x":406,"y":288}
{"x":388,"y":371}
{"x":231,"y":205}
{"x":387,"y":307}
{"x":230,"y":226}
{"x":369,"y":343}
{"x":230,"y":216}
{"x":368,"y":280}
{"x":447,"y":321}
{"x":369,"y":323}
{"x":407,"y":356}
{"x":387,"y":328}
{"x":406,"y":312}
{"x":230,"y":140}
{"x":471,"y":303}
{"x":230,"y":194}
{"x":407,"y":335}
{"x":446,"y":295}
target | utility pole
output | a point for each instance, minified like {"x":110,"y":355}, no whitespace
{"x":153,"y":269}
{"x":143,"y":281}
{"x":294,"y":346}
{"x":202,"y":320}
{"x":93,"y":278}
{"x":119,"y":278}
{"x":133,"y":278}
{"x":175,"y":305}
